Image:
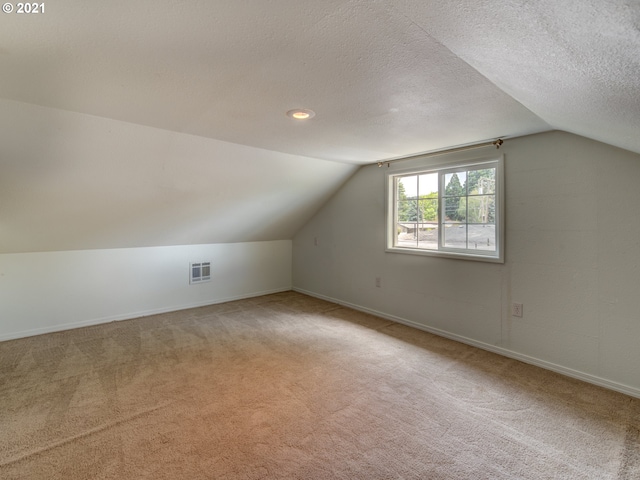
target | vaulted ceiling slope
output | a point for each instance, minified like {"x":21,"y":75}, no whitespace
{"x":387,"y":78}
{"x":71,"y":181}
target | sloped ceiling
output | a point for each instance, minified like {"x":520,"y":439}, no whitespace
{"x":72,"y":181}
{"x":386,"y":78}
{"x":573,"y":63}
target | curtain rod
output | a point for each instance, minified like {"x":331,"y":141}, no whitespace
{"x":496,"y":143}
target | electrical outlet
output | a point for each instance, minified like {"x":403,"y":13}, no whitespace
{"x":315,"y":241}
{"x":378,"y":282}
{"x":516,"y":309}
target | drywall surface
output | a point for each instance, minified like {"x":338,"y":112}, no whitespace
{"x":70,"y":181}
{"x":50,"y":291}
{"x":572,"y":260}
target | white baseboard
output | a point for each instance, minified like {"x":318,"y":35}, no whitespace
{"x":569,"y":372}
{"x":131,"y":315}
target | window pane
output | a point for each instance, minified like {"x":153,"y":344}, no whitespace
{"x":455,"y":236}
{"x":428,"y":236}
{"x":406,"y":234}
{"x":454,"y":183}
{"x":482,"y":182}
{"x":407,"y":187}
{"x":407,"y":211}
{"x":428,"y":209}
{"x":482,"y":237}
{"x":428,"y":185}
{"x":481,"y":209}
{"x":454,"y":209}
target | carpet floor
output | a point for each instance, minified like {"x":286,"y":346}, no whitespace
{"x":287,"y":386}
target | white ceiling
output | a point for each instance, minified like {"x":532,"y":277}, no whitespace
{"x":386,"y":78}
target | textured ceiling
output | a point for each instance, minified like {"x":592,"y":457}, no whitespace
{"x":386,"y":78}
{"x":573,"y":63}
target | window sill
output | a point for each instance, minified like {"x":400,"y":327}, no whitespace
{"x":446,"y":254}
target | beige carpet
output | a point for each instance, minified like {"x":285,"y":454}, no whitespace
{"x":288,"y":386}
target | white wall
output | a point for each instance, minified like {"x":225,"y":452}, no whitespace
{"x":50,"y":291}
{"x":572,"y":259}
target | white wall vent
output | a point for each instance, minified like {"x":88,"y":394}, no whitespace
{"x":200,"y":272}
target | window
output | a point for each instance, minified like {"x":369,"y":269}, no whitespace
{"x":452,"y":210}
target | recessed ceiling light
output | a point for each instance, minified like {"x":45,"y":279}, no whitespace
{"x":301,"y":114}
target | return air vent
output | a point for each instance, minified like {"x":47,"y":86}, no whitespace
{"x":200,"y":272}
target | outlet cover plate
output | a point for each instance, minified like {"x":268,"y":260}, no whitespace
{"x":516,"y":310}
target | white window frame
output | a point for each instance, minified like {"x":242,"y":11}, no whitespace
{"x":442,"y":166}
